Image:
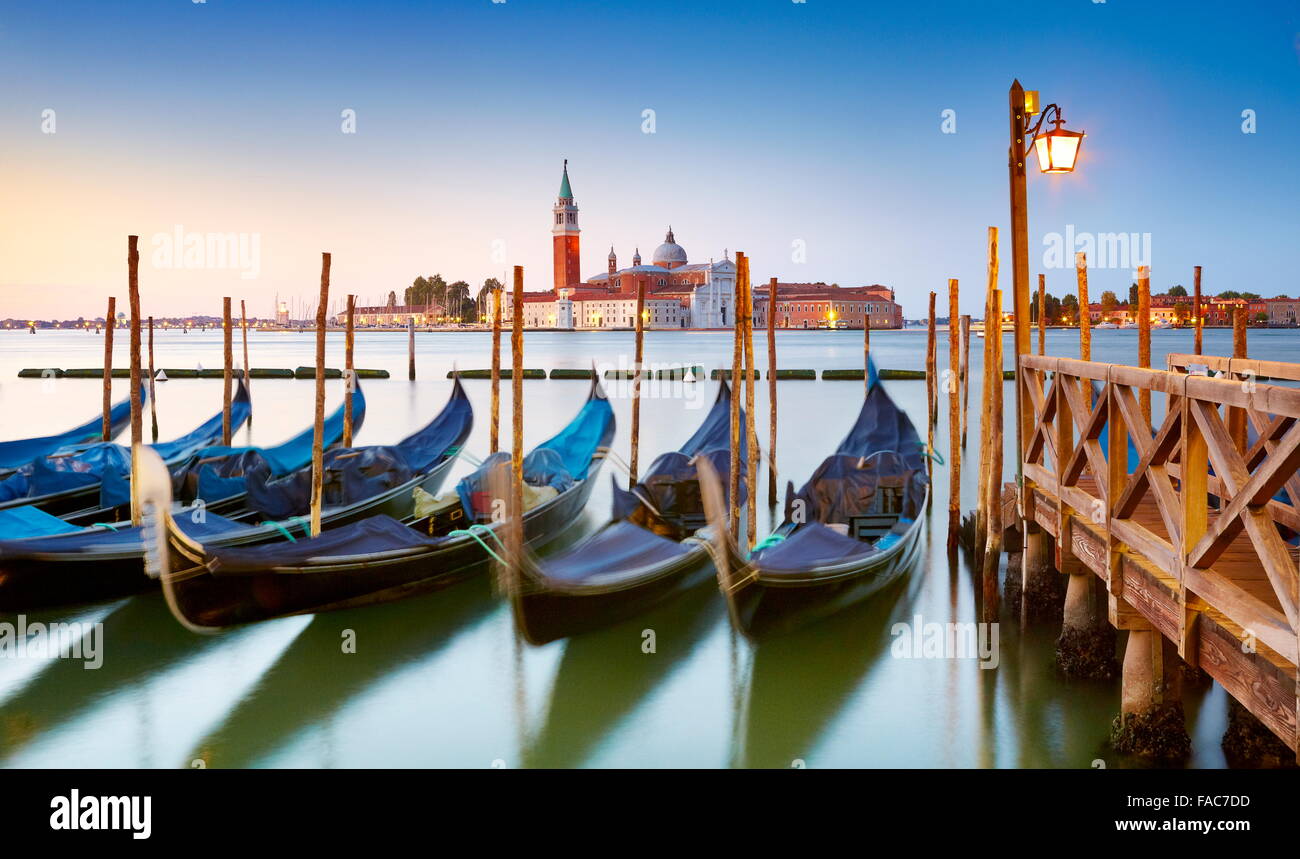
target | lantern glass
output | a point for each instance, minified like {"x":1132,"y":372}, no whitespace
{"x":1057,"y":150}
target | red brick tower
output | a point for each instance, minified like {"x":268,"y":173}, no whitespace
{"x":564,"y":236}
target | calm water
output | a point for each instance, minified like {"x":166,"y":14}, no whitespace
{"x":442,"y":680}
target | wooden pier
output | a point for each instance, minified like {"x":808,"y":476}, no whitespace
{"x":1189,"y":539}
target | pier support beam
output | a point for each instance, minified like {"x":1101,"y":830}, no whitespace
{"x":1248,"y":744}
{"x":1150,"y":723}
{"x":1086,"y":648}
{"x":1040,"y":585}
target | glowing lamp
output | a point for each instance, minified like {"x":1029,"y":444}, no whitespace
{"x":1057,"y":149}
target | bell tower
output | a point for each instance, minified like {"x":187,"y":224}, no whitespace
{"x":564,"y":236}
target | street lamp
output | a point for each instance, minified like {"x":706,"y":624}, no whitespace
{"x":1057,"y":149}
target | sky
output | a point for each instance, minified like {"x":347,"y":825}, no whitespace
{"x":814,"y":136}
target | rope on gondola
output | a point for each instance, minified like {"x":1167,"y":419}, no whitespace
{"x":282,"y":527}
{"x":473,"y":532}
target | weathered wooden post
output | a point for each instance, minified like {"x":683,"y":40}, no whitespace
{"x":1196,"y":310}
{"x":1085,"y":317}
{"x":410,"y":348}
{"x":517,"y":391}
{"x":1042,"y":314}
{"x":1237,"y":416}
{"x":994,"y":524}
{"x":133,"y":299}
{"x":866,"y":350}
{"x":965,"y":376}
{"x":108,"y":369}
{"x":771,"y":392}
{"x":1144,"y":338}
{"x":227,"y":373}
{"x":318,"y":432}
{"x":733,"y":478}
{"x":636,"y":382}
{"x":1019,"y":119}
{"x":153,"y":405}
{"x":954,"y":420}
{"x":349,"y":370}
{"x":495,"y":419}
{"x":243,"y":325}
{"x":751,"y":437}
{"x":931,"y":390}
{"x":991,"y":317}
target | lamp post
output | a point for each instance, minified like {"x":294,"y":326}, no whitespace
{"x":1057,"y":150}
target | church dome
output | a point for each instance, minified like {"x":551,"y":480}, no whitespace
{"x":669,"y":253}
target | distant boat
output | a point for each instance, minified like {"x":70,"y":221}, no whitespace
{"x":1162,"y":323}
{"x":1127,"y":325}
{"x":1106,"y":325}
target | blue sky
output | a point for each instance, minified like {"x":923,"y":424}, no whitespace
{"x":775,"y":122}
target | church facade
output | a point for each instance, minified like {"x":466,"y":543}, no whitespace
{"x":679,"y":293}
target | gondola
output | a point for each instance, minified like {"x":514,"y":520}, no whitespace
{"x":19,"y":452}
{"x":379,"y":558}
{"x":69,"y":564}
{"x":853,"y":528}
{"x":66,"y":482}
{"x":650,"y":551}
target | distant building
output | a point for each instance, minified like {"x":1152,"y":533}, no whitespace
{"x":679,"y":293}
{"x":821,"y":305}
{"x":282,"y":313}
{"x":1283,"y":311}
{"x":392,"y":314}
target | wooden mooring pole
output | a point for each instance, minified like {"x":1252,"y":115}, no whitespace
{"x":494,"y":420}
{"x":243,"y":326}
{"x":133,"y":300}
{"x":1042,"y":315}
{"x":318,"y":432}
{"x":1237,"y":416}
{"x":954,"y":419}
{"x":737,"y":358}
{"x":153,"y":405}
{"x":965,"y":376}
{"x":866,"y":351}
{"x":636,"y":383}
{"x":1085,"y":318}
{"x":931,"y":390}
{"x":517,"y":392}
{"x":108,"y":369}
{"x":349,"y":370}
{"x":227,"y":373}
{"x":1196,"y":310}
{"x":751,"y":437}
{"x":993,"y":522}
{"x":410,"y":348}
{"x":1144,"y":337}
{"x":771,"y":393}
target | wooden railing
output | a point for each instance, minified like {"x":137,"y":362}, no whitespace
{"x":1207,"y":507}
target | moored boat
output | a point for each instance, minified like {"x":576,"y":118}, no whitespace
{"x":19,"y":452}
{"x":381,"y":557}
{"x":651,"y":550}
{"x":66,"y":482}
{"x":68,"y":564}
{"x":854,"y":527}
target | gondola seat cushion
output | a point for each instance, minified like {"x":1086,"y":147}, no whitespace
{"x":810,"y":546}
{"x":610,"y":554}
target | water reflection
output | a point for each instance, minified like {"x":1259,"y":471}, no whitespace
{"x":140,"y":641}
{"x":316,"y":676}
{"x":796,"y":683}
{"x":604,"y":675}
